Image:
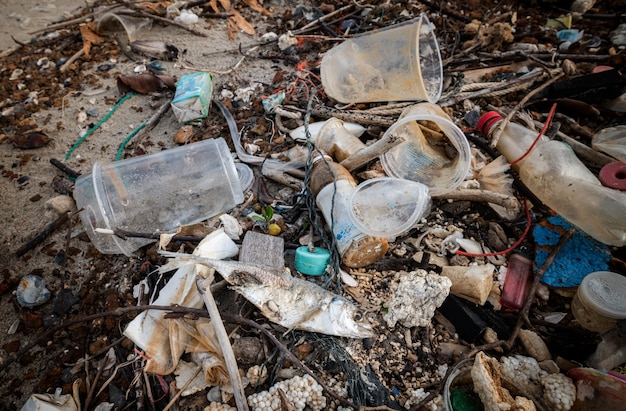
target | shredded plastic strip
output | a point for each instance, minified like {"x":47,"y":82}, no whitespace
{"x":120,"y":151}
{"x":98,"y":124}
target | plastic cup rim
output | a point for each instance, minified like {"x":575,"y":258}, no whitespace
{"x":459,"y":141}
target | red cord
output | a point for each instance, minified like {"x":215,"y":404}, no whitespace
{"x":541,"y":133}
{"x":508,"y":250}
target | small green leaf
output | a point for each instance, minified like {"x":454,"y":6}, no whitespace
{"x":268,"y":213}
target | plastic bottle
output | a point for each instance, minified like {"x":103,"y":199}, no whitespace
{"x":561,"y":181}
{"x":519,"y":278}
{"x":332,"y":185}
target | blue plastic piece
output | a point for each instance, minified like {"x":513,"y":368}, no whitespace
{"x":312,"y":263}
{"x":580,"y":256}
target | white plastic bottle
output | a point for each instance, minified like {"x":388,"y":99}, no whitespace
{"x":332,"y":185}
{"x":561,"y":181}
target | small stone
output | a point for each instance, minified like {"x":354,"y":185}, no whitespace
{"x":61,"y":204}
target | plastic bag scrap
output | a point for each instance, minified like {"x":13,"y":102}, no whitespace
{"x":165,"y":340}
{"x":50,"y":402}
{"x":612,"y":141}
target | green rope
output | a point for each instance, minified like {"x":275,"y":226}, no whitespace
{"x":127,"y":139}
{"x":98,"y":124}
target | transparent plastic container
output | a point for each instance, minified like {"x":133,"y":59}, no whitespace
{"x":599,"y":301}
{"x":157,"y":193}
{"x":333,"y":185}
{"x":388,"y":206}
{"x":393,"y":64}
{"x":561,"y":181}
{"x":435,"y":152}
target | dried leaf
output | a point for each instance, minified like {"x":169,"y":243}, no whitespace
{"x":144,"y":83}
{"x":89,"y":37}
{"x":254,"y":5}
{"x":241,"y":22}
{"x":31,"y":140}
{"x":213,"y":5}
{"x":157,"y":8}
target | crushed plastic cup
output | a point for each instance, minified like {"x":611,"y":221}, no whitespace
{"x":387,"y":206}
{"x":156,"y":193}
{"x":435,"y":152}
{"x":401,"y":63}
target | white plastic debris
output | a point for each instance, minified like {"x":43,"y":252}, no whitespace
{"x":187,"y":17}
{"x":50,"y":402}
{"x":162,"y":339}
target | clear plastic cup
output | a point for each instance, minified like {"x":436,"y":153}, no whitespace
{"x":157,"y":193}
{"x":435,"y":152}
{"x":387,"y":206}
{"x":395,"y":64}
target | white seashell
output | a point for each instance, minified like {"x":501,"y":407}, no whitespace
{"x":231,"y":226}
{"x":252,"y":149}
{"x":32,"y":291}
{"x":470,"y":246}
{"x":81,"y":117}
{"x":348,"y":279}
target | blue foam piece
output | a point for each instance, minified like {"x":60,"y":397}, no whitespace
{"x":580,"y":256}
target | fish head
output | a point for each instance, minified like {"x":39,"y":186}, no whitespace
{"x":347,"y":320}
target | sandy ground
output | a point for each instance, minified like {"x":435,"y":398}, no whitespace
{"x":22,"y":207}
{"x":18,"y":18}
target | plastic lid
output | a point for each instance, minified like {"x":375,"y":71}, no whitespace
{"x":312,"y":262}
{"x":613,"y":175}
{"x":605,"y":291}
{"x":487,"y":120}
{"x":388,"y":206}
{"x":246,"y":176}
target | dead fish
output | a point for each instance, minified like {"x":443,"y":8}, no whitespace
{"x":286,"y":300}
{"x":156,"y":49}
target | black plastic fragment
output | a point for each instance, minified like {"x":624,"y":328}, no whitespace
{"x":471,"y":320}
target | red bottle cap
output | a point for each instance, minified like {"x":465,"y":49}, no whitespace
{"x":613,"y":175}
{"x":487,"y":120}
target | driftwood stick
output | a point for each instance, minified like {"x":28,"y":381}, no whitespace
{"x":151,"y":123}
{"x":224,"y":340}
{"x":353,"y":116}
{"x":45,"y":232}
{"x":469,"y":194}
{"x":72,"y":59}
{"x":366,"y":154}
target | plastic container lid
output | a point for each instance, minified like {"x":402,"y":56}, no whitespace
{"x":388,"y":206}
{"x":605,"y":291}
{"x":312,"y":263}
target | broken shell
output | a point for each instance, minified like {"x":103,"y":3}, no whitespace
{"x":32,"y":291}
{"x":535,"y":345}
